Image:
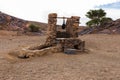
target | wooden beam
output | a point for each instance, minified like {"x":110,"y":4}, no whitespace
{"x":61,"y":17}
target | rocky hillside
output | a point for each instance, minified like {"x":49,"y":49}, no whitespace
{"x":8,"y":22}
{"x":112,"y":27}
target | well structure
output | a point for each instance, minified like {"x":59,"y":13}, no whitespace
{"x":64,"y":40}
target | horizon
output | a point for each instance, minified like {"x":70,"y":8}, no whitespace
{"x":35,"y":10}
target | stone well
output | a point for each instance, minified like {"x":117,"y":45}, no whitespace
{"x":61,"y":41}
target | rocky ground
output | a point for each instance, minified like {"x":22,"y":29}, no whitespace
{"x":102,"y":62}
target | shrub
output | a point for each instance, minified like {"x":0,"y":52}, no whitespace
{"x":34,"y":28}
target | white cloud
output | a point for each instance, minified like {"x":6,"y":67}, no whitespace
{"x":39,"y":9}
{"x":114,"y":13}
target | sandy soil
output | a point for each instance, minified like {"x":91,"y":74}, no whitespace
{"x":101,"y":63}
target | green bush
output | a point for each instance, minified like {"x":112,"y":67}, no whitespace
{"x":34,"y":28}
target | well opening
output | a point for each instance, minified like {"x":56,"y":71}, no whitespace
{"x":76,"y":46}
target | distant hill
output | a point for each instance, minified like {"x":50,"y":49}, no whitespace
{"x":8,"y":22}
{"x":112,"y":27}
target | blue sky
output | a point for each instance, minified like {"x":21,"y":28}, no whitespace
{"x":112,"y":9}
{"x":114,"y":5}
{"x":38,"y":10}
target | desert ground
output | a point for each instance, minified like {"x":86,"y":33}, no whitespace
{"x":101,"y":62}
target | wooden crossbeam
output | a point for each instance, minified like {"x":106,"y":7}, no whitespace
{"x":61,"y":17}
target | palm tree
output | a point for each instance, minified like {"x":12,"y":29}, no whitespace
{"x":97,"y":18}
